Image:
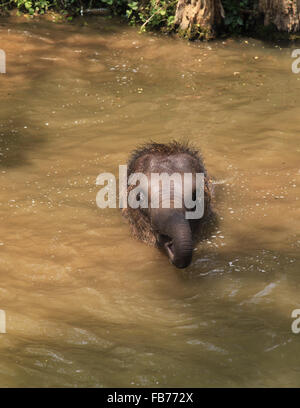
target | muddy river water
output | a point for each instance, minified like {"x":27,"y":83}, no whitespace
{"x":86,"y":304}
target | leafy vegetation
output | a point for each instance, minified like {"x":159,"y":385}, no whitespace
{"x":152,"y":14}
{"x":240,"y":15}
{"x":149,"y":13}
{"x":26,"y":6}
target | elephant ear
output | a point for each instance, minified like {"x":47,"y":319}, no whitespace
{"x":140,"y":225}
{"x":208,"y":224}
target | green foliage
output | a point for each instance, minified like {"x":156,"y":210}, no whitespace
{"x":152,"y":14}
{"x":239,"y":15}
{"x":26,"y":6}
{"x":62,"y":6}
{"x":196,"y":31}
{"x":32,"y":7}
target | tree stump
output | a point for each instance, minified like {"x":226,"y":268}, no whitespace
{"x":284,"y":14}
{"x":198,"y":18}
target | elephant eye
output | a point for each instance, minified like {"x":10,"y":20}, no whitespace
{"x":140,"y":196}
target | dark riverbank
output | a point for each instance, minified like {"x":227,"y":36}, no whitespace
{"x":236,"y":18}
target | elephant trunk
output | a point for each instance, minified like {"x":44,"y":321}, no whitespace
{"x":178,"y":241}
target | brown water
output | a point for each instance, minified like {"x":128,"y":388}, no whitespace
{"x":86,"y":304}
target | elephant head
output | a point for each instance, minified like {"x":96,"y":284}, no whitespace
{"x":166,"y":222}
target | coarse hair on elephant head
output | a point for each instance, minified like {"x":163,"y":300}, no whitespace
{"x":168,"y":228}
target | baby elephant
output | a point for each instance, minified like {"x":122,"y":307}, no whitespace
{"x":170,"y":215}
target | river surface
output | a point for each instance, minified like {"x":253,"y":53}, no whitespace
{"x":86,"y":304}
